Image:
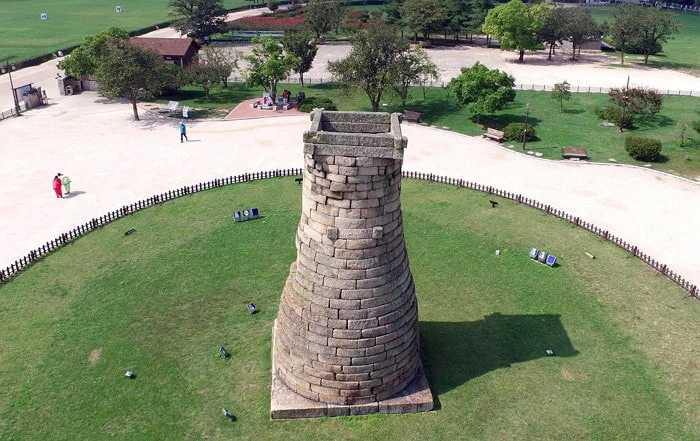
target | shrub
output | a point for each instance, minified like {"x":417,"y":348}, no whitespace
{"x":267,"y":23}
{"x":314,"y":102}
{"x":614,"y":114}
{"x":696,"y":126}
{"x":643,"y":149}
{"x":514,"y":132}
{"x":272,"y":5}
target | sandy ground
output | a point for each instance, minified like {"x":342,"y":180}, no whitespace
{"x":114,"y":161}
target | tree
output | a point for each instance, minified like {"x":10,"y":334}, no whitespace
{"x":561,"y":92}
{"x":220,"y":60}
{"x":198,"y":18}
{"x":268,"y":65}
{"x":516,"y":25}
{"x":656,"y":28}
{"x":459,"y":14}
{"x":323,"y":15}
{"x":627,"y":103}
{"x":301,"y":44}
{"x":483,"y":90}
{"x":373,"y":62}
{"x":392,"y":12}
{"x":128,"y":70}
{"x":553,"y":30}
{"x":682,"y":130}
{"x":578,"y":27}
{"x":424,"y":16}
{"x":414,"y":67}
{"x":85,"y":59}
{"x":203,"y":74}
{"x":625,"y":27}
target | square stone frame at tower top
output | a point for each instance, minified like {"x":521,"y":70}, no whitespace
{"x":341,"y":141}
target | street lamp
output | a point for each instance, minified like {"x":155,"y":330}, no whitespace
{"x":9,"y":68}
{"x":527,"y":114}
{"x":625,"y":97}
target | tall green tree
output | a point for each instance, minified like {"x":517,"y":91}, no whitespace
{"x":392,"y":13}
{"x":198,"y":18}
{"x":561,"y":93}
{"x":413,"y":67}
{"x":373,"y":63}
{"x":85,"y":59}
{"x":203,"y":74}
{"x":424,"y":16}
{"x":483,"y":90}
{"x":657,"y":27}
{"x":268,"y":64}
{"x":517,"y":25}
{"x":323,"y":15}
{"x":221,"y":60}
{"x":625,"y":27}
{"x":554,"y":30}
{"x":130,"y":71}
{"x":579,"y":27}
{"x":301,"y":44}
{"x":459,"y":14}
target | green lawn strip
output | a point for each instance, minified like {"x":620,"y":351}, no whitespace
{"x":24,"y":35}
{"x":576,"y":126}
{"x":679,"y":53}
{"x":161,"y":301}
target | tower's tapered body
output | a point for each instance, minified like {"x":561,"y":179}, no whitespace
{"x":347,"y":328}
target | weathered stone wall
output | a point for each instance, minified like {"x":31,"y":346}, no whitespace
{"x":347,"y":329}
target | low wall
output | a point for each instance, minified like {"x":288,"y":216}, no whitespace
{"x":79,"y":231}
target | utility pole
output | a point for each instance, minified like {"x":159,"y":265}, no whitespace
{"x":9,"y":68}
{"x":527,"y":114}
{"x":625,"y":97}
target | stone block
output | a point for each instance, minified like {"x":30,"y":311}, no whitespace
{"x":377,"y":232}
{"x":332,"y":233}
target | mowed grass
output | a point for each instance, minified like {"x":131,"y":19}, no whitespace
{"x":679,"y":53}
{"x":577,"y":125}
{"x":24,"y":35}
{"x":162,"y":300}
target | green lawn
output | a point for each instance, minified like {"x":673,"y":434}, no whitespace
{"x":24,"y":35}
{"x":576,"y":126}
{"x":162,"y":300}
{"x":680,"y":53}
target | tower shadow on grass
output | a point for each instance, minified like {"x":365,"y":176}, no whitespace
{"x":456,"y":352}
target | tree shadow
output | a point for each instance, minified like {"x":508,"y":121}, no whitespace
{"x":502,"y":120}
{"x":456,"y":352}
{"x":573,"y":111}
{"x":653,"y":121}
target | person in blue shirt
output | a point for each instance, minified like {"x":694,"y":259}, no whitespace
{"x":183,"y":132}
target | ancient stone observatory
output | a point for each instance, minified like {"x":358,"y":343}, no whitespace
{"x":347,"y":329}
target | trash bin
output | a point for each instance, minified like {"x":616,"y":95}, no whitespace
{"x":69,"y":90}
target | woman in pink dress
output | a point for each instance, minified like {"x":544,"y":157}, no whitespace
{"x":57,"y":186}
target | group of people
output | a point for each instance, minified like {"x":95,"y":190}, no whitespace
{"x":59,"y":181}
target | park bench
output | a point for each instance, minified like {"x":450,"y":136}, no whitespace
{"x":494,"y":134}
{"x":410,"y":116}
{"x":249,"y":35}
{"x":574,"y":152}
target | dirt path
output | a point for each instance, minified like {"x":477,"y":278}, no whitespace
{"x":113,"y":161}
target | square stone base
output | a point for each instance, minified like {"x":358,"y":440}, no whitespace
{"x":285,"y":404}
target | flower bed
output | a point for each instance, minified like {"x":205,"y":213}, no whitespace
{"x":268,"y":23}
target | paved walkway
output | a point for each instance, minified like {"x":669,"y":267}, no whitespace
{"x":114,"y":161}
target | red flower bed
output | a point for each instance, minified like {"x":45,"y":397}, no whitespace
{"x":268,"y":23}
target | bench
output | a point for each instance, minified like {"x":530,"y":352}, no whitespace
{"x":494,"y":134}
{"x":249,"y":35}
{"x":574,"y":152}
{"x":410,"y":116}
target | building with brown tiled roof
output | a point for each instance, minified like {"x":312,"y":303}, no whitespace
{"x":173,"y":50}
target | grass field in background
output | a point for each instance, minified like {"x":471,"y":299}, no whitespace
{"x":577,"y":126}
{"x":680,"y":53}
{"x":24,"y":35}
{"x":161,"y":301}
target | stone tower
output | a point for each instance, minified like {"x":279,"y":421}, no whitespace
{"x":346,"y":336}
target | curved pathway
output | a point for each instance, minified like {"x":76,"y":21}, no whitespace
{"x":114,"y":161}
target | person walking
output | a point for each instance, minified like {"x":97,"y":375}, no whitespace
{"x":57,"y":186}
{"x":65,"y":180}
{"x":183,"y":132}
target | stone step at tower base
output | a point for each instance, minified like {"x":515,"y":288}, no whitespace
{"x":346,"y":338}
